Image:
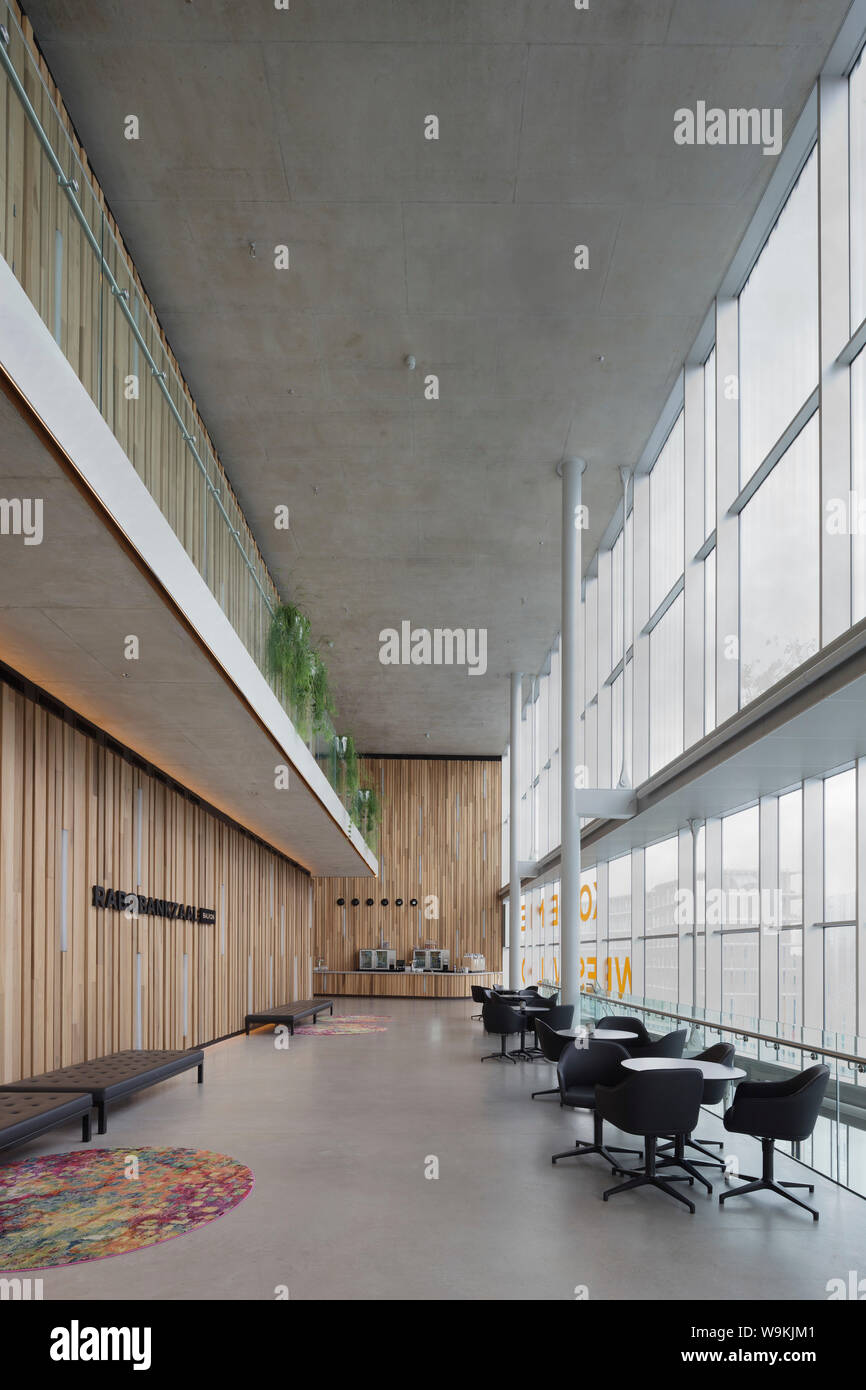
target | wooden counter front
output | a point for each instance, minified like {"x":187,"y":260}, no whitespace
{"x":381,"y":984}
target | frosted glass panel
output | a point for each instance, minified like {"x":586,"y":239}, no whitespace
{"x":666,"y":687}
{"x":857,"y":101}
{"x":710,"y":443}
{"x":666,"y":516}
{"x":779,"y":325}
{"x":779,"y":540}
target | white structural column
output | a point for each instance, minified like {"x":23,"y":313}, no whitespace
{"x":514,"y":833}
{"x":571,"y":657}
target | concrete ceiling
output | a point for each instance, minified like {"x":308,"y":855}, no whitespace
{"x":67,"y":606}
{"x":306,"y":128}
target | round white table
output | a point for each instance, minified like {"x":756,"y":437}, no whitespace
{"x":713,"y":1071}
{"x":610,"y":1035}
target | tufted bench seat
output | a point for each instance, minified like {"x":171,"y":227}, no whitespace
{"x":290,"y":1013}
{"x":110,"y":1078}
{"x":24,"y":1114}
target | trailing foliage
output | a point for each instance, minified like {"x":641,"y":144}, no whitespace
{"x":294,"y":662}
{"x":302,"y":678}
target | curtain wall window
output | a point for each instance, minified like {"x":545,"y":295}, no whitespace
{"x":666,"y":516}
{"x":840,"y":847}
{"x":857,"y":112}
{"x":740,"y":869}
{"x":666,"y":687}
{"x":858,"y":483}
{"x":710,"y":642}
{"x":779,"y":325}
{"x":790,"y":807}
{"x":661,"y":944}
{"x":710,"y":443}
{"x":779,"y":569}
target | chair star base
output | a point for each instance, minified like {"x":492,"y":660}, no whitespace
{"x":767,"y":1183}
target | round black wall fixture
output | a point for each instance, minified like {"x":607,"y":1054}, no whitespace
{"x":369,"y":902}
{"x":398,"y":902}
{"x":384,"y":902}
{"x":341,"y":902}
{"x":413,"y":902}
{"x":355,"y":902}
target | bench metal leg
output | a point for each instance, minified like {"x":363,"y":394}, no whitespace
{"x":85,"y":1128}
{"x":200,"y":1073}
{"x":101,"y":1125}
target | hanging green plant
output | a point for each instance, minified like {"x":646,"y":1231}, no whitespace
{"x":301,"y":678}
{"x":301,"y":673}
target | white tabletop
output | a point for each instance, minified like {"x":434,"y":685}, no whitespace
{"x":600,"y":1034}
{"x":713,"y":1071}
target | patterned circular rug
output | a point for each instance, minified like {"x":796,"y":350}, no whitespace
{"x":345,"y":1023}
{"x":66,"y":1208}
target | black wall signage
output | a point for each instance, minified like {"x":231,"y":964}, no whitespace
{"x":139,"y":904}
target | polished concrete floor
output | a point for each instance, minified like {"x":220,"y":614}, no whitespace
{"x":339,"y":1132}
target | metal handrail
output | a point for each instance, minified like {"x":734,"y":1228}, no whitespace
{"x":70,"y":188}
{"x":744,"y":1033}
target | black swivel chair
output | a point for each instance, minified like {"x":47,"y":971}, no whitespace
{"x":478,"y":997}
{"x":532,"y":997}
{"x":626,"y":1025}
{"x":551,"y":1044}
{"x":579,"y":1071}
{"x":654,"y":1104}
{"x":505,"y":1021}
{"x":671,"y":1045}
{"x":774,"y":1110}
{"x":714,"y":1091}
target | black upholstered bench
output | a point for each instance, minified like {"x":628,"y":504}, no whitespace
{"x":110,"y":1078}
{"x":24,"y":1114}
{"x":289,"y":1013}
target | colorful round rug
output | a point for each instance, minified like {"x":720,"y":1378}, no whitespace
{"x":70,"y":1207}
{"x":345,"y":1023}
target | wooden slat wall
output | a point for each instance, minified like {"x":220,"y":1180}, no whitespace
{"x":59,"y":1007}
{"x":440,"y":835}
{"x":98,"y":343}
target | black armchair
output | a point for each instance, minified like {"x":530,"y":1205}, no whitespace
{"x":654,"y":1104}
{"x":501,"y":1019}
{"x":551,"y":1044}
{"x":771,"y":1110}
{"x":478,"y":996}
{"x":580,"y":1071}
{"x":671,"y":1045}
{"x":626,"y":1025}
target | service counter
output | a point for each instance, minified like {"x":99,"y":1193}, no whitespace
{"x":397,"y":984}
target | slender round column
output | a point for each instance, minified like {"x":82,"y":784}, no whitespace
{"x":514,"y":833}
{"x":571,"y":644}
